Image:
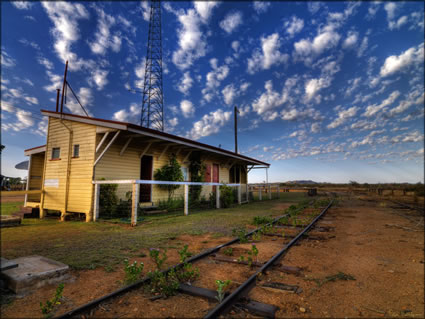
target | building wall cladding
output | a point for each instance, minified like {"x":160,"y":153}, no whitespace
{"x":36,"y":175}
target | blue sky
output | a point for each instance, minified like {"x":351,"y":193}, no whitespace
{"x":327,"y":91}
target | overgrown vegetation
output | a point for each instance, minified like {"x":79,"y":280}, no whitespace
{"x":108,"y":200}
{"x":170,"y":172}
{"x":221,"y":287}
{"x":226,"y":196}
{"x":240,"y":232}
{"x":228,"y":251}
{"x":339,"y":276}
{"x":47,"y":308}
{"x":253,"y":253}
{"x":133,"y":271}
{"x":197,"y":174}
{"x":261,"y":220}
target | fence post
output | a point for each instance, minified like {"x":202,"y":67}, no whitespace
{"x":217,"y":196}
{"x":135,"y":204}
{"x":186,"y":199}
{"x":96,"y":202}
{"x":239,"y":194}
{"x":270,"y":191}
{"x":259,"y":193}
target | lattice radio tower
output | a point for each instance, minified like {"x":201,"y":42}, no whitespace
{"x":153,"y":100}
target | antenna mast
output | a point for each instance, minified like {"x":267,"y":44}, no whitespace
{"x":153,"y":100}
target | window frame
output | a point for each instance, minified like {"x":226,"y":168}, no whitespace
{"x":73,"y":151}
{"x":53,"y":158}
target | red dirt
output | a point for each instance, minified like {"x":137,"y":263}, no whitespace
{"x":370,"y":244}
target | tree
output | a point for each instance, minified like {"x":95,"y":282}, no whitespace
{"x":171,"y":172}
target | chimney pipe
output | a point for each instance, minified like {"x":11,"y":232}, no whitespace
{"x":64,"y":83}
{"x":236,"y":128}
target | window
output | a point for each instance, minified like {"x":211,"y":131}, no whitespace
{"x":56,"y":153}
{"x":76,"y":150}
{"x":185,"y":172}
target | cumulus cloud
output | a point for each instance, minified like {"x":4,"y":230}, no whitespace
{"x":187,"y":108}
{"x":402,"y":62}
{"x":268,"y":100}
{"x":205,"y":8}
{"x":6,"y":60}
{"x":85,"y":96}
{"x":293,"y":26}
{"x":214,"y":78}
{"x":99,"y":78}
{"x":45,"y":62}
{"x":103,"y":37}
{"x":132,"y":115}
{"x":22,"y":5}
{"x":261,"y":6}
{"x":231,"y":22}
{"x":343,"y":116}
{"x":268,"y":56}
{"x":351,"y":40}
{"x":23,"y":121}
{"x":209,"y":124}
{"x":65,"y":17}
{"x":371,"y":110}
{"x":191,"y":42}
{"x":185,"y":83}
{"x":325,"y":39}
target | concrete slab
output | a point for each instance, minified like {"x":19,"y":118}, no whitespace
{"x":9,"y":221}
{"x":6,"y":264}
{"x":34,"y":272}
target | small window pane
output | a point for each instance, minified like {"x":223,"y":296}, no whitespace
{"x":56,"y":152}
{"x":76,"y":150}
{"x":185,"y":174}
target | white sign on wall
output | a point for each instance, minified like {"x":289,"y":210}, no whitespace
{"x":53,"y":182}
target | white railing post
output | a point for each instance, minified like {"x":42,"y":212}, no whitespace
{"x":259,"y":193}
{"x":217,"y":196}
{"x":239,"y":194}
{"x":135,"y":204}
{"x":186,"y":199}
{"x":270,"y":191}
{"x":96,"y":202}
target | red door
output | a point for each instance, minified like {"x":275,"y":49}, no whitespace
{"x":145,"y":174}
{"x":215,"y":175}
{"x":208,"y":173}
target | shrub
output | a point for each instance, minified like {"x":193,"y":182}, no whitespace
{"x":184,"y":253}
{"x":165,"y":285}
{"x":221,"y":286}
{"x":240,"y":232}
{"x":47,"y":308}
{"x":226,"y":196}
{"x":260,"y":220}
{"x":187,"y":273}
{"x":228,"y":251}
{"x":170,"y":172}
{"x":154,"y":255}
{"x":108,"y":199}
{"x":252,"y":254}
{"x":171,"y":204}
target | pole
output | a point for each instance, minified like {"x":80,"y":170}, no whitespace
{"x":236,"y":129}
{"x":57,"y":99}
{"x":64,"y":83}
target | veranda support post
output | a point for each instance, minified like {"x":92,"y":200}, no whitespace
{"x":96,"y":202}
{"x":217,"y":196}
{"x":186,"y":199}
{"x":135,"y":204}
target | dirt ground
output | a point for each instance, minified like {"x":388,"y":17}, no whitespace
{"x":381,"y":247}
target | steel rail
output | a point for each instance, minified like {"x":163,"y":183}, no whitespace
{"x":146,"y":280}
{"x":419,"y":209}
{"x":246,"y":287}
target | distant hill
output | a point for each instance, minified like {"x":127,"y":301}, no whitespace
{"x":301,"y":182}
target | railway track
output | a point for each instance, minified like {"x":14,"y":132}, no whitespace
{"x":238,"y":298}
{"x":404,"y":205}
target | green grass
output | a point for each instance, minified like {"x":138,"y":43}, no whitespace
{"x":89,"y":245}
{"x":9,"y":208}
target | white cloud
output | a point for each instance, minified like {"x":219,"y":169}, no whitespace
{"x":146,"y":10}
{"x":315,"y":128}
{"x":209,"y":124}
{"x":214,"y":78}
{"x":268,"y":56}
{"x":261,"y":6}
{"x":268,"y":100}
{"x":185,"y":83}
{"x":191,"y":41}
{"x":397,"y":24}
{"x":187,"y":108}
{"x":103,"y":37}
{"x":413,"y":98}
{"x":351,"y":40}
{"x":55,"y":82}
{"x":131,"y":115}
{"x":229,"y":94}
{"x":371,"y":110}
{"x":22,"y":5}
{"x":313,"y":86}
{"x":47,"y":64}
{"x":29,"y":43}
{"x":343,"y":116}
{"x":400,"y":63}
{"x":231,"y":22}
{"x":65,"y":16}
{"x":363,"y":47}
{"x":326,"y":39}
{"x":6,"y":60}
{"x":390,"y":8}
{"x":205,"y":8}
{"x":367,"y":140}
{"x":86,"y":98}
{"x":294,"y":26}
{"x":353,"y":84}
{"x":31,"y":100}
{"x":99,"y":78}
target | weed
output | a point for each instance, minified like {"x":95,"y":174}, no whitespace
{"x":109,"y":268}
{"x":221,"y":287}
{"x":283,"y":233}
{"x":47,"y":308}
{"x":252,"y":253}
{"x":240,"y":232}
{"x":165,"y":285}
{"x":241,"y":258}
{"x":154,"y":254}
{"x":339,"y":276}
{"x":132,"y":271}
{"x":184,"y":253}
{"x":261,"y":220}
{"x":205,"y":242}
{"x":256,"y":236}
{"x":187,"y":273}
{"x":228,"y":251}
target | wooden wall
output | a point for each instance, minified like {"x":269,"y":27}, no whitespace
{"x":36,"y":176}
